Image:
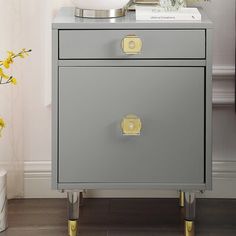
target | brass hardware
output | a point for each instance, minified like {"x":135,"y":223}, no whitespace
{"x":72,"y":227}
{"x":131,"y":125}
{"x":181,"y":199}
{"x":131,"y":45}
{"x":189,"y":228}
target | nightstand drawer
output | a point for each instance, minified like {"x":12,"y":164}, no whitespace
{"x":131,"y":125}
{"x":132,"y":44}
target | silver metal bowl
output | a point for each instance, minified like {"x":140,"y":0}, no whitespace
{"x":100,"y":8}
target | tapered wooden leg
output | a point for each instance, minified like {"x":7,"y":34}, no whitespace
{"x":190,"y":214}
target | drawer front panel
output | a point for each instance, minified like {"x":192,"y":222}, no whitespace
{"x":170,"y":104}
{"x":155,"y":44}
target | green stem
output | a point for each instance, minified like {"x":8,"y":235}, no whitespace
{"x":17,"y":55}
{"x":7,"y":82}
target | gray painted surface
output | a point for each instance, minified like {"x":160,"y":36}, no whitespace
{"x":93,"y":98}
{"x":92,"y":147}
{"x":96,"y":44}
{"x":208,"y":109}
{"x":66,"y":20}
{"x":54,"y":108}
{"x":127,"y":63}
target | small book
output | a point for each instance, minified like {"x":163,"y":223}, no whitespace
{"x":158,"y":13}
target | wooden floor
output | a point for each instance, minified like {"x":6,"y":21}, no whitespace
{"x":120,"y":217}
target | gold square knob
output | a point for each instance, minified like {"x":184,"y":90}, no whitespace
{"x":131,"y":125}
{"x":132,"y":45}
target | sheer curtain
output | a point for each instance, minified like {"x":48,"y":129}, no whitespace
{"x":11,"y":142}
{"x":26,"y":24}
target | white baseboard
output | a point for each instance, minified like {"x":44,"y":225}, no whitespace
{"x":38,"y":183}
{"x":37,"y":180}
{"x":223,"y":85}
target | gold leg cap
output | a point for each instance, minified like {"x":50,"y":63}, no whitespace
{"x":189,"y":228}
{"x":181,"y":199}
{"x":72,"y":227}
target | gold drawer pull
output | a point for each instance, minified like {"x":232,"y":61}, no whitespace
{"x":131,"y":45}
{"x":131,"y":125}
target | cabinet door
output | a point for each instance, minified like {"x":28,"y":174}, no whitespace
{"x":168,"y":100}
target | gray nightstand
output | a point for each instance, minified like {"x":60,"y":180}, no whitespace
{"x":131,"y":107}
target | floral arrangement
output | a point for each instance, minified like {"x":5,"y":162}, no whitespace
{"x":171,"y":5}
{"x":9,"y":79}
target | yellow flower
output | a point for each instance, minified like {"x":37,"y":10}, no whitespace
{"x":2,"y":125}
{"x":14,"y":81}
{"x":2,"y":75}
{"x":11,"y":53}
{"x":6,"y":63}
{"x":9,"y":60}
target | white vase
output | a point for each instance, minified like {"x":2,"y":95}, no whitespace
{"x":100,"y":4}
{"x":3,"y":200}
